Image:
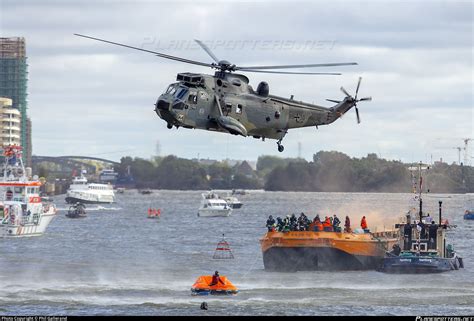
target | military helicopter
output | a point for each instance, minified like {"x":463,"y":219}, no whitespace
{"x":225,"y":102}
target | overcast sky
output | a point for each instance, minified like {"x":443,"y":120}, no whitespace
{"x":94,"y":99}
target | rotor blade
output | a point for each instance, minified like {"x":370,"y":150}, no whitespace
{"x":357,"y":113}
{"x":334,"y":101}
{"x":345,"y":92}
{"x":357,"y":89}
{"x":297,"y":66}
{"x":206,"y":49}
{"x":153,"y":52}
{"x":366,"y":99}
{"x":291,"y":73}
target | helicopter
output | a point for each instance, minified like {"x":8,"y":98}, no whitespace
{"x":226,"y":102}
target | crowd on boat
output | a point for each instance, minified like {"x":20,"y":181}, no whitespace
{"x":303,"y":223}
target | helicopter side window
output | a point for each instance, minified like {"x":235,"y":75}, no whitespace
{"x":238,"y":109}
{"x":192,"y":99}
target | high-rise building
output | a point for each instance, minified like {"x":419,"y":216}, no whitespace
{"x":10,"y":119}
{"x":13,"y":83}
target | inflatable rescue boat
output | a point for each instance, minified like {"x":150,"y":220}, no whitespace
{"x":202,"y":287}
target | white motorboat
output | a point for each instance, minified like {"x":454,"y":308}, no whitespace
{"x":22,"y":211}
{"x":89,"y":193}
{"x":233,"y":202}
{"x":212,"y":206}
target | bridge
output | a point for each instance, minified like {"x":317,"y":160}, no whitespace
{"x":67,"y":164}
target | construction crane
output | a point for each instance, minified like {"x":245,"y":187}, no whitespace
{"x":467,"y":153}
{"x":459,"y":154}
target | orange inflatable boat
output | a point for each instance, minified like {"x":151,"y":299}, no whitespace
{"x":202,"y":287}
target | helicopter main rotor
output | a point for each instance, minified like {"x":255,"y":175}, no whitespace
{"x":226,"y":66}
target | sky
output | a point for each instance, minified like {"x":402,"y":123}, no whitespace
{"x":93,"y":99}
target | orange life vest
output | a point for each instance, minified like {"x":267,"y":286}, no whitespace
{"x":363,"y":224}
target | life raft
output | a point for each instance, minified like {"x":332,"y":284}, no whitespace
{"x":202,"y":287}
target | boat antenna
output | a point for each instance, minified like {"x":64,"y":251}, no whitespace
{"x":419,"y":192}
{"x":440,"y":203}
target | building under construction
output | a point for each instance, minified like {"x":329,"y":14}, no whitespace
{"x":13,"y":84}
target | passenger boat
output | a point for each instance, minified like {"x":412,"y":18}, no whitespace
{"x":469,"y":215}
{"x":22,"y":212}
{"x":89,"y":193}
{"x":309,"y":250}
{"x":212,"y":206}
{"x":202,"y":287}
{"x":419,"y":250}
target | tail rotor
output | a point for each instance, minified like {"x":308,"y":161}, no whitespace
{"x":354,"y":99}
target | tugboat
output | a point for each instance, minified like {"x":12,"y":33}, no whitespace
{"x":422,"y":247}
{"x":22,"y":212}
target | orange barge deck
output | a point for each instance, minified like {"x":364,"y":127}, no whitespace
{"x":305,"y":250}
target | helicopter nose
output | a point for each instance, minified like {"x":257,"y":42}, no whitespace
{"x":162,"y":104}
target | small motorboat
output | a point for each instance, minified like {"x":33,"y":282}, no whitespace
{"x":202,"y":287}
{"x":233,"y":202}
{"x":77,"y":210}
{"x":212,"y":206}
{"x":145,"y":191}
{"x":469,"y":215}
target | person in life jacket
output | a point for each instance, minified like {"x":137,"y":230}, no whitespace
{"x":216,"y":279}
{"x":335,"y":223}
{"x":317,"y":225}
{"x":327,"y":225}
{"x":270,"y":223}
{"x":347,"y":225}
{"x":363,"y":224}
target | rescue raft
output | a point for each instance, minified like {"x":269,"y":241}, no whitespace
{"x":469,"y":215}
{"x":202,"y":287}
{"x":309,"y":251}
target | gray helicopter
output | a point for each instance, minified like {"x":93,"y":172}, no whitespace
{"x":225,"y":102}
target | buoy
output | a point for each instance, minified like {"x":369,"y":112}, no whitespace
{"x":223,"y":251}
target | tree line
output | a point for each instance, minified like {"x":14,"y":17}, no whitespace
{"x":329,"y":171}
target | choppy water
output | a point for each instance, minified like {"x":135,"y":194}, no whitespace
{"x":118,"y":262}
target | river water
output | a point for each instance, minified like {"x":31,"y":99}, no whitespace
{"x":117,"y":262}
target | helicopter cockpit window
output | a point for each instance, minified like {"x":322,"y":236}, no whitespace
{"x":171,"y":89}
{"x":181,"y":92}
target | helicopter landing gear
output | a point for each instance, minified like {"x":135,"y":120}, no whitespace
{"x":169,"y":126}
{"x":281,"y":148}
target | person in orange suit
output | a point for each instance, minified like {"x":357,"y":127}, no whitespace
{"x":216,"y":279}
{"x":327,"y":225}
{"x":363,"y":224}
